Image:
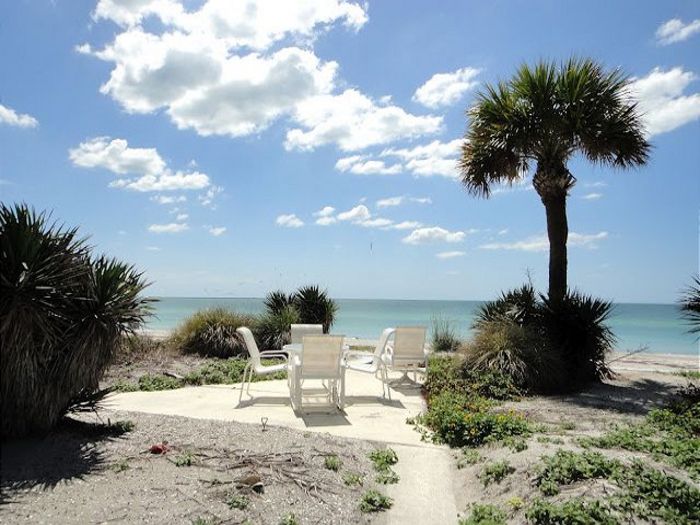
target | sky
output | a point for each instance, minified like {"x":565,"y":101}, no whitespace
{"x":229,"y":148}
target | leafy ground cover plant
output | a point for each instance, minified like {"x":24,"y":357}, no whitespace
{"x":375,"y":501}
{"x":485,"y":515}
{"x":332,"y":462}
{"x":572,"y":512}
{"x":383,"y":460}
{"x":496,"y":472}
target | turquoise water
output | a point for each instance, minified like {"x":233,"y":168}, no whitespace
{"x":657,"y":326}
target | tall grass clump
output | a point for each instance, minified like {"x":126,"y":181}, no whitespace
{"x":273,"y":329}
{"x":543,"y":345}
{"x":63,"y":314}
{"x":212,"y":333}
{"x":443,"y":337}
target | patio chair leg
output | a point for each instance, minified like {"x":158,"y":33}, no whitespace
{"x":386,"y":383}
{"x":245,"y":371}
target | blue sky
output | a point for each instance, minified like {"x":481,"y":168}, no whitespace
{"x":206,"y":142}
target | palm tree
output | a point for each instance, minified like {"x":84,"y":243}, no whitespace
{"x":544,"y":116}
{"x":690,"y":305}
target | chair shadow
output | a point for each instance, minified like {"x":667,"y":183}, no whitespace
{"x":373,"y":400}
{"x":69,"y":451}
{"x":323,"y":419}
{"x":264,"y":401}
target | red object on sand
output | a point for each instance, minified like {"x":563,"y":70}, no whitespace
{"x":159,"y":448}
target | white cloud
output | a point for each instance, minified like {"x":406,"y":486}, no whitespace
{"x":168,"y":199}
{"x":173,"y":227}
{"x":326,"y":211}
{"x":289,"y":221}
{"x":326,"y":221}
{"x":116,"y":156}
{"x":181,"y":217}
{"x":390,"y":201}
{"x":353,"y":121}
{"x":592,"y":196}
{"x":356,"y":164}
{"x":397,"y":201}
{"x":433,"y":234}
{"x":153,"y":248}
{"x":254,"y":24}
{"x":206,"y":199}
{"x":503,"y":231}
{"x":434,"y":158}
{"x":357,"y":214}
{"x":675,"y":30}
{"x":216,"y":231}
{"x":377,"y":222}
{"x":444,"y":89}
{"x":596,"y":184}
{"x":405,"y":225}
{"x":219,"y":69}
{"x":10,"y":117}
{"x":522,"y":184}
{"x":449,"y":255}
{"x":540,"y":243}
{"x":662,"y":102}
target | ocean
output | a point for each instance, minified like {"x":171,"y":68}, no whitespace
{"x":656,"y":326}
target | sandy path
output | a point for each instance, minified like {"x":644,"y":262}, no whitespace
{"x":425,"y":472}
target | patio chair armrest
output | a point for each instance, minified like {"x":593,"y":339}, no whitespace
{"x":274,"y":353}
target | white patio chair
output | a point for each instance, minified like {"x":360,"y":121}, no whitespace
{"x":408,"y":353}
{"x":254,"y":364}
{"x":320,"y":360}
{"x":300,"y":330}
{"x":354,"y":361}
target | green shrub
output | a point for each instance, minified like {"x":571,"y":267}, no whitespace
{"x":484,"y":515}
{"x":577,"y":328}
{"x":459,"y":420}
{"x":573,"y":512}
{"x":150,"y":383}
{"x":277,"y":301}
{"x":212,"y":333}
{"x":443,"y":337}
{"x":333,"y":463}
{"x":543,"y":345}
{"x":448,"y":374}
{"x":374,"y":501}
{"x":185,"y":459}
{"x":495,"y":472}
{"x":517,"y":352}
{"x":63,"y":314}
{"x":315,"y":307}
{"x":387,"y":477}
{"x":469,"y":457}
{"x":273,"y":328}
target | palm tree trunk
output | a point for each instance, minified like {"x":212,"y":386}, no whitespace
{"x":558,"y":233}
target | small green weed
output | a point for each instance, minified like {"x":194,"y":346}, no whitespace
{"x":469,"y":457}
{"x":152,"y":382}
{"x":565,"y":467}
{"x":496,"y":472}
{"x":515,"y":503}
{"x":387,"y":477}
{"x":352,"y":479}
{"x":288,"y":519}
{"x":185,"y":459}
{"x":383,"y":458}
{"x":333,"y":463}
{"x":484,"y":515}
{"x":374,"y":501}
{"x":120,"y":465}
{"x":516,"y":444}
{"x":238,"y":501}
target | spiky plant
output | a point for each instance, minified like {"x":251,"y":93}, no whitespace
{"x":543,"y":116}
{"x":273,"y":329}
{"x":277,"y":301}
{"x":690,"y":306}
{"x":62,"y":315}
{"x":519,"y":306}
{"x":315,"y":307}
{"x":212,"y":332}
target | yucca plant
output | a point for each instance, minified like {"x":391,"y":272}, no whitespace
{"x":690,"y":306}
{"x":519,"y":306}
{"x":315,"y":307}
{"x":273,"y":329}
{"x":277,"y":301}
{"x":212,"y":332}
{"x":62,"y":316}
